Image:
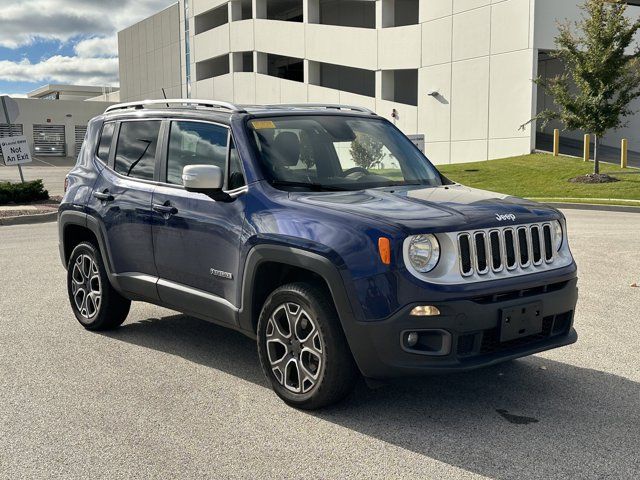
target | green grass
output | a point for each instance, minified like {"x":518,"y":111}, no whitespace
{"x":545,"y":177}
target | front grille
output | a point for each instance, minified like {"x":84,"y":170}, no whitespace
{"x":487,"y":342}
{"x":522,"y":247}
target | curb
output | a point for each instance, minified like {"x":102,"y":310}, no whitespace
{"x":30,"y":219}
{"x":593,"y":206}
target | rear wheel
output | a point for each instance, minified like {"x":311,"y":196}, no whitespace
{"x":95,"y":303}
{"x":302,"y":348}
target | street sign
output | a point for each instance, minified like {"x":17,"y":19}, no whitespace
{"x":15,"y":150}
{"x":22,"y":155}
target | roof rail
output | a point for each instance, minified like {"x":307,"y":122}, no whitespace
{"x":328,"y":106}
{"x":185,"y":102}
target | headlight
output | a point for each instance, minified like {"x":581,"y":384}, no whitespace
{"x":557,"y":234}
{"x":423,"y":252}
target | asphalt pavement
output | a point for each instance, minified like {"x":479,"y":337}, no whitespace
{"x":168,"y":396}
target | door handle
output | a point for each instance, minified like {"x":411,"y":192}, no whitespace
{"x":104,"y":196}
{"x":165,"y":209}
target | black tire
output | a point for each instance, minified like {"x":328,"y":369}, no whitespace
{"x":111,"y":308}
{"x":336,"y":371}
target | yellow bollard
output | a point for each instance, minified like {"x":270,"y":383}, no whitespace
{"x":623,"y":153}
{"x":587,"y":146}
{"x":556,"y":142}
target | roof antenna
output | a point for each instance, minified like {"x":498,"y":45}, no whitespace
{"x":165,"y":96}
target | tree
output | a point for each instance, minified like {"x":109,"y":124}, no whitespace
{"x":306,"y":151}
{"x":366,"y":151}
{"x":602,"y":72}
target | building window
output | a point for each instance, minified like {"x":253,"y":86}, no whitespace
{"x":345,"y":13}
{"x":397,"y":13}
{"x":211,"y":19}
{"x":213,"y":67}
{"x":241,"y":10}
{"x":285,"y":10}
{"x":347,"y":79}
{"x":243,"y":62}
{"x":400,"y":86}
{"x":289,"y":68}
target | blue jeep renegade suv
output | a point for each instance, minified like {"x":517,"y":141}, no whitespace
{"x":319,"y":230}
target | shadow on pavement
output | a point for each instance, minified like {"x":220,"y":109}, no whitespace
{"x":529,"y":419}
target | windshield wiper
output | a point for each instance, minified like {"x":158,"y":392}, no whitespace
{"x":316,"y":187}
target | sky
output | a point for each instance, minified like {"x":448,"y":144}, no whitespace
{"x":64,"y":41}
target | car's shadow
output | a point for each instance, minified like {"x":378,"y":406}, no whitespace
{"x":529,"y":419}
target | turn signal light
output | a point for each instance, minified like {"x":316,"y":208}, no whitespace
{"x":425,"y":311}
{"x":384,"y":247}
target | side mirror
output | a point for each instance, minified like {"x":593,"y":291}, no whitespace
{"x":205,"y":179}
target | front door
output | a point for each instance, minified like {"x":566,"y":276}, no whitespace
{"x":196,"y":239}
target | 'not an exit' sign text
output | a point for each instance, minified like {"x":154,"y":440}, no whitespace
{"x":15,"y":150}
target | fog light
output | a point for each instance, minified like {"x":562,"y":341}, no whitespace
{"x":412,"y":339}
{"x":425,"y":311}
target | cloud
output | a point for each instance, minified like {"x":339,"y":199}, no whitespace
{"x":91,"y":25}
{"x":23,"y":22}
{"x":97,"y":47}
{"x":62,"y":69}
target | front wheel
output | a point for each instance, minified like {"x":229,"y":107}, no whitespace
{"x":302,"y":348}
{"x":95,"y":303}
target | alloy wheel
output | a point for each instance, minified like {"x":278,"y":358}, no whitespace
{"x":294,"y":347}
{"x":86,"y":287}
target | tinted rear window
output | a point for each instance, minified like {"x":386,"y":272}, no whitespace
{"x":136,"y":149}
{"x":105,"y":141}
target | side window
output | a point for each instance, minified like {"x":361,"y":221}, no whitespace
{"x":195,"y":143}
{"x":236,"y":177}
{"x":136,"y":149}
{"x":105,"y":141}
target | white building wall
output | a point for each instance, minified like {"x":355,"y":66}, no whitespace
{"x":149,"y":55}
{"x":70,"y":113}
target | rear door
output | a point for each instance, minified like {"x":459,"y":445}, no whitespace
{"x":196,"y":242}
{"x":122,"y":197}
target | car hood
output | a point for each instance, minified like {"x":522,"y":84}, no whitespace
{"x":443,"y":208}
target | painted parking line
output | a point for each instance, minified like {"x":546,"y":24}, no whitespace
{"x":42,"y":161}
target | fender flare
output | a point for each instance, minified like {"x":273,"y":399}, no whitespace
{"x":320,"y":265}
{"x":295,"y":257}
{"x":82,"y":219}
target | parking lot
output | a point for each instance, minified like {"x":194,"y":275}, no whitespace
{"x":168,"y":396}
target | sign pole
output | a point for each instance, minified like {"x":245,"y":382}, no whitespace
{"x":6,"y":115}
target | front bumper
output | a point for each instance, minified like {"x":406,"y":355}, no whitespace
{"x":473,"y":330}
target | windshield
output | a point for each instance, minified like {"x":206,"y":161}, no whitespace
{"x":326,"y":152}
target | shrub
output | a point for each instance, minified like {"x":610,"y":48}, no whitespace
{"x":22,"y":192}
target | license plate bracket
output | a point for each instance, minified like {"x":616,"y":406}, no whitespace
{"x":520,"y":321}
